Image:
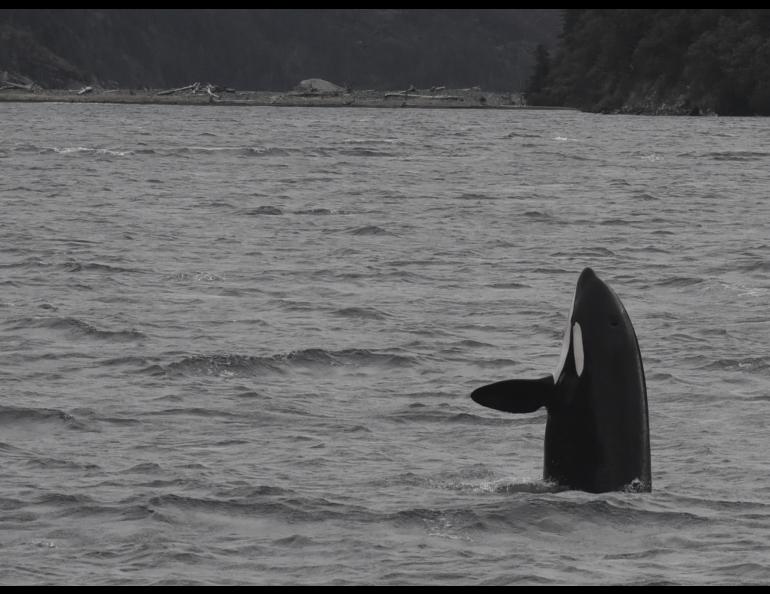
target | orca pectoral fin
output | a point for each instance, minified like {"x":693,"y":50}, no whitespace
{"x":516,"y":395}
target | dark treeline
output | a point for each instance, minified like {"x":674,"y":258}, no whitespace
{"x":275,"y":49}
{"x":659,"y":61}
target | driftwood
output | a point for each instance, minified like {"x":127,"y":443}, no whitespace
{"x":311,"y":94}
{"x":193,"y":87}
{"x":211,"y":94}
{"x":196,"y":88}
{"x":408,"y":95}
{"x":13,"y":85}
{"x":85,"y":90}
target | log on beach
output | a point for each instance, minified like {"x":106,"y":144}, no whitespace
{"x":193,"y":87}
{"x":16,"y":86}
{"x":406,"y":95}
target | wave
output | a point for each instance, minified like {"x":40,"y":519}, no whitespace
{"x":57,"y":463}
{"x":120,"y":421}
{"x":217,"y":365}
{"x":502,"y":486}
{"x":245,"y":151}
{"x":421,"y":413}
{"x":679,"y":281}
{"x":65,"y":499}
{"x":268,"y":151}
{"x":538,"y":506}
{"x":75,"y":266}
{"x":509,"y":285}
{"x":233,"y":365}
{"x":522,"y":135}
{"x":9,"y":504}
{"x":73,"y":150}
{"x":364,"y":152}
{"x":589,"y":252}
{"x":126,"y":360}
{"x":537,"y":215}
{"x":72,"y":265}
{"x":505,"y":506}
{"x":746,"y":364}
{"x":207,"y":413}
{"x":263,"y":210}
{"x":515,"y":509}
{"x":652,"y":249}
{"x":195,"y":276}
{"x":352,"y":148}
{"x":369,"y":230}
{"x":11,"y":415}
{"x":289,"y":506}
{"x":470,"y":196}
{"x":68,"y":150}
{"x":314,"y":211}
{"x":757,"y":265}
{"x":494,"y":363}
{"x":737,"y":155}
{"x":217,"y":203}
{"x":385,"y":141}
{"x":469,"y":343}
{"x":81,"y":505}
{"x":75,"y":326}
{"x":361,"y":313}
{"x":248,"y":491}
{"x":294,"y":541}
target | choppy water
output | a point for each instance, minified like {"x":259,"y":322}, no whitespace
{"x":236,"y":345}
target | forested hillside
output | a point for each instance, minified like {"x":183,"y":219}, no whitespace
{"x":659,"y":61}
{"x":275,"y":49}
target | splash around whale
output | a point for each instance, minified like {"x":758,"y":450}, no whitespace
{"x":597,"y":432}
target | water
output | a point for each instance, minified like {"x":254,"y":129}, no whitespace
{"x":236,"y":345}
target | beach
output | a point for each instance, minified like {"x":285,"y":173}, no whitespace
{"x":472,"y":98}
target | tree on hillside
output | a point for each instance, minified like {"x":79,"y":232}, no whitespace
{"x":540,"y":72}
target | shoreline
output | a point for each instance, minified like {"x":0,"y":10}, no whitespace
{"x":420,"y":99}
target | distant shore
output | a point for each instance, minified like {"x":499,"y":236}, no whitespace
{"x":473,"y":98}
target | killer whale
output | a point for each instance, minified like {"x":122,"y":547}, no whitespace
{"x":597,"y":432}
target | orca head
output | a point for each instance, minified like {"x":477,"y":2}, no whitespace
{"x":597,"y":321}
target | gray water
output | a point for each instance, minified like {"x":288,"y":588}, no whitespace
{"x":236,"y":344}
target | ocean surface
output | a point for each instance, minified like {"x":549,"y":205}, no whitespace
{"x":237,"y":344}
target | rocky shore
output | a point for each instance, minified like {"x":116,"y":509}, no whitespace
{"x":436,"y":97}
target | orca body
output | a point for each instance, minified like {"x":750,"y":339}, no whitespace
{"x":597,"y":433}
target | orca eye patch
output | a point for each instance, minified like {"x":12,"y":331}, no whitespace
{"x":577,"y":348}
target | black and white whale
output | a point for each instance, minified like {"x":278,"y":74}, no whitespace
{"x":597,"y":434}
